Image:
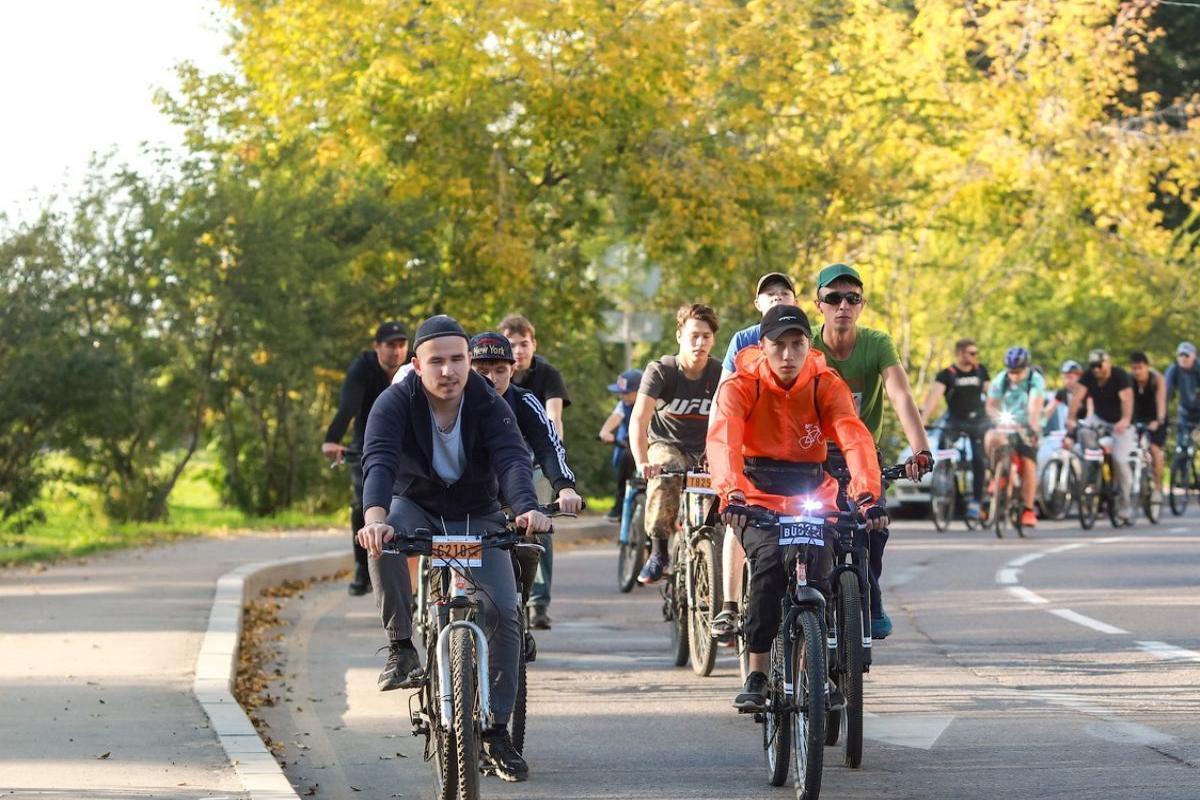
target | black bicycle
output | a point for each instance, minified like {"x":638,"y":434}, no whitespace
{"x":692,"y":590}
{"x":1184,"y":481}
{"x":950,"y":483}
{"x":453,"y":703}
{"x":1100,"y":490}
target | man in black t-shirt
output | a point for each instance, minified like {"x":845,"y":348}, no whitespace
{"x":669,"y":426}
{"x":1111,"y":391}
{"x":964,"y":384}
{"x":534,"y":374}
{"x":367,"y":377}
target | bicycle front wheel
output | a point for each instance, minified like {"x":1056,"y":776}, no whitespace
{"x":1054,"y":498}
{"x":743,"y":647}
{"x":632,"y":554}
{"x":675,"y":610}
{"x":706,"y":594}
{"x":521,"y":707}
{"x":1151,"y":498}
{"x":808,"y":723}
{"x":999,"y":513}
{"x":850,"y":660}
{"x":1089,"y":500}
{"x":440,"y":747}
{"x":777,"y":723}
{"x":1181,"y":485}
{"x":466,"y":714}
{"x":942,"y":495}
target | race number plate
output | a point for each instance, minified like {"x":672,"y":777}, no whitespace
{"x":945,"y":455}
{"x":457,"y":551}
{"x":1093,"y":455}
{"x":801,"y":530}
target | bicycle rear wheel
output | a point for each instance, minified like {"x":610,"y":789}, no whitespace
{"x":777,"y":722}
{"x":1111,"y":505}
{"x":465,"y":702}
{"x":743,"y":648}
{"x":942,"y":491}
{"x":850,"y":659}
{"x":521,"y":707}
{"x":808,"y":723}
{"x":706,"y":592}
{"x":675,"y":610}
{"x":632,"y":554}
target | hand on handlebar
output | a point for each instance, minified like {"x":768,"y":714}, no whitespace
{"x":735,"y":514}
{"x":651,"y":470}
{"x":533,"y":522}
{"x":1121,"y":426}
{"x":876,"y":516}
{"x":569,"y":501}
{"x":373,"y":535}
{"x":918,"y":464}
{"x":334,"y":452}
{"x":607,"y":437}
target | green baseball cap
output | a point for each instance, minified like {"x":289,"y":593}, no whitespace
{"x":835,"y":271}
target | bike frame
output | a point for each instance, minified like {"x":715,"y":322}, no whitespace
{"x":699,"y":500}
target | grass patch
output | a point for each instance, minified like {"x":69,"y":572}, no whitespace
{"x":75,"y":525}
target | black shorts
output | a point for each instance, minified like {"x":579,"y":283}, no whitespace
{"x":1158,"y":437}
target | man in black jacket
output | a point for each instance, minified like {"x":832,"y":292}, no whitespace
{"x":492,"y":357}
{"x":366,"y":378}
{"x":440,"y":447}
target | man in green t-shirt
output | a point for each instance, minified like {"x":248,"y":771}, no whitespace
{"x":867,"y":360}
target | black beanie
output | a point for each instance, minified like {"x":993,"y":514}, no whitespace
{"x":438,"y":326}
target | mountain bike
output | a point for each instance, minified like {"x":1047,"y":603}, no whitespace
{"x":797,"y":698}
{"x":453,"y":703}
{"x":692,"y":591}
{"x":633,"y":543}
{"x":1100,"y":489}
{"x":848,"y":621}
{"x":950,"y":483}
{"x":1184,"y":479}
{"x":1141,"y":469}
{"x":1060,"y":480}
{"x":1006,"y":479}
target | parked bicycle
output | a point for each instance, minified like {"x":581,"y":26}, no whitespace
{"x":1184,"y":480}
{"x":692,"y":590}
{"x":453,"y":704}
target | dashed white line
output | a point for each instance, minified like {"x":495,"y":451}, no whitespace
{"x":1087,"y":622}
{"x":1168,"y":652}
{"x":1028,"y":558}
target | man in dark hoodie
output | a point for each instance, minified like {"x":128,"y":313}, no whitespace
{"x":366,"y":378}
{"x":441,"y":445}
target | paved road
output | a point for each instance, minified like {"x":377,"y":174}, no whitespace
{"x":1062,"y":666}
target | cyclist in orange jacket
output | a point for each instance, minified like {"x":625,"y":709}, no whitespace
{"x":766,"y":447}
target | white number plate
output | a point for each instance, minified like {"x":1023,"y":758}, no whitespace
{"x":801,"y":530}
{"x":946,"y":455}
{"x":458,"y":551}
{"x":1093,"y":455}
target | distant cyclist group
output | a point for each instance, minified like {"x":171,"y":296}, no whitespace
{"x":770,"y":457}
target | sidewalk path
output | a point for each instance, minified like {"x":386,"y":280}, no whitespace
{"x":96,"y":658}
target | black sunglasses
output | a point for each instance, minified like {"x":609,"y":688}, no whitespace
{"x":1096,"y":365}
{"x":836,"y":298}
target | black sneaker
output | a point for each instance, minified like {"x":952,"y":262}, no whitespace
{"x":403,"y":668}
{"x":361,"y":583}
{"x":753,"y":696}
{"x":539,"y":620}
{"x":500,"y":755}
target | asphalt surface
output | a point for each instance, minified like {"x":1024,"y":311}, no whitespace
{"x":1064,"y":665}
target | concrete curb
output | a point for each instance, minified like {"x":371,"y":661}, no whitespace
{"x":216,"y":666}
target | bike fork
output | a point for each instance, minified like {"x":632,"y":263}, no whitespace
{"x":627,"y":513}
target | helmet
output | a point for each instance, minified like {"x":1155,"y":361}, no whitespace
{"x":1070,"y":365}
{"x":1016,"y":358}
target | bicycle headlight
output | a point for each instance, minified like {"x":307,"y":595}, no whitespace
{"x":810,"y":505}
{"x":1006,"y":418}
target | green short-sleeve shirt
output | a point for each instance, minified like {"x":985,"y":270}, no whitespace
{"x":873,"y":352}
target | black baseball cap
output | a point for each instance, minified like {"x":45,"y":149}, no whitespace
{"x":438,"y":326}
{"x":491,"y":346}
{"x":780,"y":319}
{"x":389,"y":332}
{"x":774,"y":277}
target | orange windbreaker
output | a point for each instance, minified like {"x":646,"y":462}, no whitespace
{"x":755,"y":416}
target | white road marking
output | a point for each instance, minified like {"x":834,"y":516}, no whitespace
{"x":1115,"y":539}
{"x":1021,"y":593}
{"x":1168,"y":652}
{"x":1064,"y":548}
{"x":1109,"y":726}
{"x":1087,"y":622}
{"x":1008,"y":576}
{"x":1028,"y":558}
{"x":918,"y":731}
